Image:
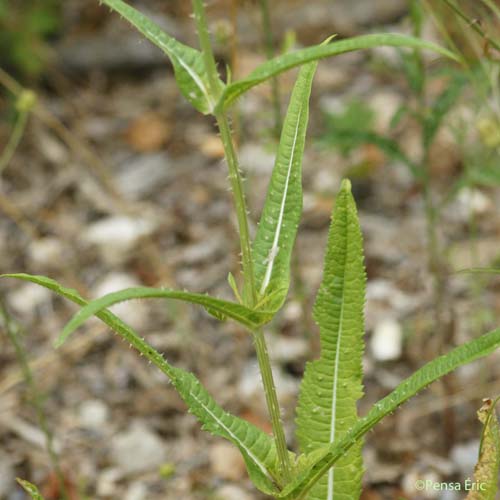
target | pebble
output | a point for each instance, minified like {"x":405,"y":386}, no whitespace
{"x":470,"y":202}
{"x":387,"y":340}
{"x":136,"y":491}
{"x":138,"y":449}
{"x":28,"y":297}
{"x":116,"y":236}
{"x":139,"y":177}
{"x":106,"y":482}
{"x":255,"y":159}
{"x":231,"y":492}
{"x":47,"y":251}
{"x":133,"y":312}
{"x":6,"y":474}
{"x":464,"y":456}
{"x":93,"y":414}
{"x":227,"y":462}
{"x":285,"y":349}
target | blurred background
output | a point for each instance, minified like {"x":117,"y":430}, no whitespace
{"x":108,"y":179}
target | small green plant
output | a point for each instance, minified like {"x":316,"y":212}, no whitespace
{"x":330,"y":432}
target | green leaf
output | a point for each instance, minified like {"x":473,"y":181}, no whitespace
{"x":432,"y":371}
{"x":273,"y":244}
{"x":217,"y":307}
{"x":486,"y":175}
{"x":257,"y":447}
{"x":290,"y":60}
{"x":479,"y":270}
{"x":31,"y":489}
{"x":188,"y":63}
{"x":488,"y":466}
{"x":333,"y":383}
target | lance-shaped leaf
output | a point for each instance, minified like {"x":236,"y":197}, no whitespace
{"x":273,"y":244}
{"x":279,"y":64}
{"x":488,"y":466}
{"x":221,"y":308}
{"x":332,"y":384}
{"x":31,"y":489}
{"x":258,"y":448}
{"x":323,"y":459}
{"x":188,"y":63}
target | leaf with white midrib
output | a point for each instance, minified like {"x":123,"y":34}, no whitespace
{"x":273,"y":244}
{"x":222,"y":308}
{"x":188,"y":62}
{"x":318,"y":462}
{"x":257,"y":447}
{"x":332,"y":384}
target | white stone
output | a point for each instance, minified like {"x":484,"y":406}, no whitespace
{"x":106,"y":482}
{"x":138,"y":449}
{"x":28,"y":297}
{"x":286,"y":349}
{"x":136,"y":491}
{"x":464,"y":456}
{"x":387,"y":340}
{"x":255,"y":159}
{"x":6,"y":475}
{"x":131,"y":311}
{"x":46,"y":252}
{"x":231,"y":492}
{"x":140,"y":177}
{"x":115,"y":236}
{"x":472,"y":202}
{"x":93,"y":414}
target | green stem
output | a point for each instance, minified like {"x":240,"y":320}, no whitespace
{"x":250,"y":295}
{"x":12,"y":331}
{"x":472,"y":24}
{"x":273,"y":405}
{"x":14,"y":140}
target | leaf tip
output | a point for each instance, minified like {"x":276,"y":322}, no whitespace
{"x":346,"y":186}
